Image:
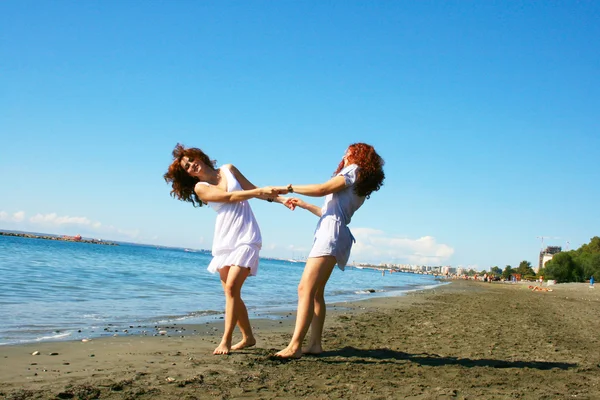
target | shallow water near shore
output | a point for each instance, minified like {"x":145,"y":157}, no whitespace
{"x":53,"y":290}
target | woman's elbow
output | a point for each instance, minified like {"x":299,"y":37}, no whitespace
{"x":322,"y":191}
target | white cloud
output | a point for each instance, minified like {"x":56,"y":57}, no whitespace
{"x":53,"y":219}
{"x":16,"y":217}
{"x":19,"y":216}
{"x":373,"y":245}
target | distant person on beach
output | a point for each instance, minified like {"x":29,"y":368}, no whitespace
{"x":237,"y":239}
{"x":358,"y":175}
{"x":592,"y":281}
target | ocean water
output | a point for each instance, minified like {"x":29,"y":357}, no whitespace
{"x":56,"y":290}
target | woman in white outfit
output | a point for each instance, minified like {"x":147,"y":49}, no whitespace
{"x":237,"y":240}
{"x":358,"y":175}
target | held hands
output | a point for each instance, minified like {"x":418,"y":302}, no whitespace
{"x":294,"y":202}
{"x":281,"y":189}
{"x":271,"y":193}
{"x":288,"y":203}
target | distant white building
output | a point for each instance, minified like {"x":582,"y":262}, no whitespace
{"x":546,"y":255}
{"x":447,"y":270}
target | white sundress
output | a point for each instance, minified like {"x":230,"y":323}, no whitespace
{"x":237,"y":239}
{"x":332,"y":235}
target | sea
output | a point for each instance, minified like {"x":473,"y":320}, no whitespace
{"x":61,"y":290}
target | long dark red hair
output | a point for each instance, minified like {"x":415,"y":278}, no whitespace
{"x":182,"y":183}
{"x":370,"y":169}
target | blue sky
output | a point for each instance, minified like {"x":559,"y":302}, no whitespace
{"x":486,"y":114}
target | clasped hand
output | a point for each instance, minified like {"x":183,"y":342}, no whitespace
{"x":271,"y":192}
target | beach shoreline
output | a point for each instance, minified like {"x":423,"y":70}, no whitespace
{"x":462,"y":340}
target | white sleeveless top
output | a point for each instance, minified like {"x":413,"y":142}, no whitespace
{"x":235,"y":225}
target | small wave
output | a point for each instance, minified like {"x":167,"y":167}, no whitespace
{"x":45,"y":338}
{"x":192,"y":315}
{"x":94,"y":317}
{"x":55,"y":336}
{"x":369,"y":291}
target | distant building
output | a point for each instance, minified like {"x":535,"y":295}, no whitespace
{"x":546,"y":255}
{"x":448,"y":270}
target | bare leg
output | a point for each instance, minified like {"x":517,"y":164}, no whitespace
{"x":232,"y":279}
{"x":318,"y":321}
{"x":315,"y":275}
{"x":243,"y":322}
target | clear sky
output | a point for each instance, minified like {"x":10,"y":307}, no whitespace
{"x":486,"y":113}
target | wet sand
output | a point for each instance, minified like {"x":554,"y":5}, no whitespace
{"x":465,"y":340}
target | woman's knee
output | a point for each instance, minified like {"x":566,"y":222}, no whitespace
{"x":304,"y":289}
{"x":231,"y":289}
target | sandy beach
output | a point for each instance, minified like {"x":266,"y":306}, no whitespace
{"x":464,"y":340}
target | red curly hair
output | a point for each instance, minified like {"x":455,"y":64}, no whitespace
{"x":370,"y":173}
{"x":182,"y":184}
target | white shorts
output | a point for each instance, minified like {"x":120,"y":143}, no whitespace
{"x":332,"y":238}
{"x":245,"y":256}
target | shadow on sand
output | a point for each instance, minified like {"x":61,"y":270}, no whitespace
{"x":360,"y":356}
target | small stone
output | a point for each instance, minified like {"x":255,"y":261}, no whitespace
{"x":85,"y":340}
{"x":170,"y":380}
{"x":35,"y":353}
{"x":53,"y":354}
{"x":162,"y":332}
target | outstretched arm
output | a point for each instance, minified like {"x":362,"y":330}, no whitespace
{"x":211,"y":193}
{"x":333,"y":185}
{"x":247,"y":185}
{"x":307,"y":206}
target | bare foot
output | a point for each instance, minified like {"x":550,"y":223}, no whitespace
{"x":289,"y":353}
{"x":248,"y":342}
{"x":312,"y":349}
{"x":223,"y":348}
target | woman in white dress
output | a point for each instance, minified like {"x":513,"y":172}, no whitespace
{"x":237,"y":239}
{"x":359,"y":174}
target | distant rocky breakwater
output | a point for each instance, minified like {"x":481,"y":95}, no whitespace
{"x":76,"y":238}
